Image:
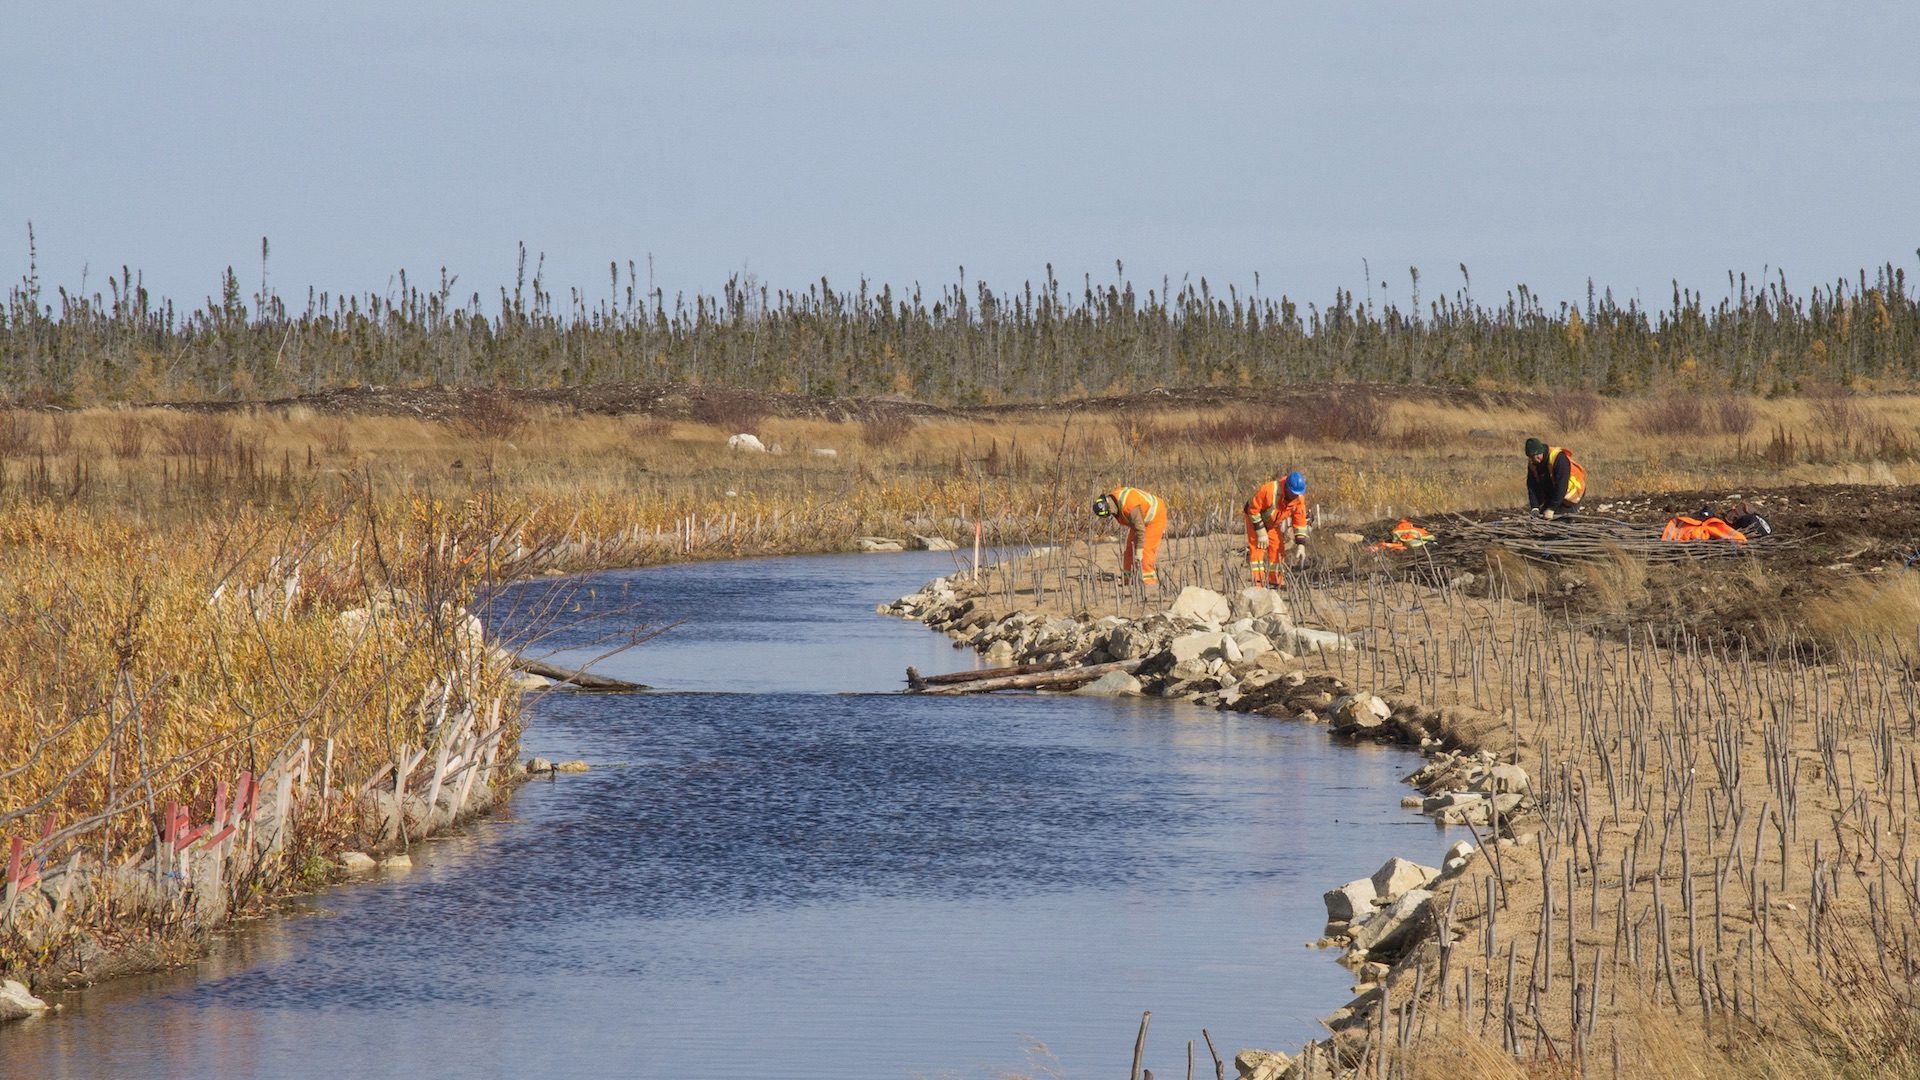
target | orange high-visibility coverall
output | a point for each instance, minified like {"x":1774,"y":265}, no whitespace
{"x":1682,"y":529}
{"x":1146,"y":519}
{"x":1269,"y":509}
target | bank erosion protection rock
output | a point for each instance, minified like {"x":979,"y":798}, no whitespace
{"x":1201,"y":606}
{"x":1396,"y":926}
{"x":17,"y":1002}
{"x":1399,"y":876}
{"x":1262,"y":1064}
{"x":1353,"y":899}
{"x":1112,"y":684}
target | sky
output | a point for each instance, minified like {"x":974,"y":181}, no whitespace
{"x":1315,"y":145}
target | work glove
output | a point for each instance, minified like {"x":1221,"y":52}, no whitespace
{"x":1260,"y":537}
{"x":1299,"y":554}
{"x":1548,"y":514}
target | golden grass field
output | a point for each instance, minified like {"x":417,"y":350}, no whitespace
{"x":172,"y":585}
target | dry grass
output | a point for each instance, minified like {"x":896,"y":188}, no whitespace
{"x":1618,"y":581}
{"x":149,"y":661}
{"x":1869,"y":616}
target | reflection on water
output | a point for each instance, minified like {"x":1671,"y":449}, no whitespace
{"x":802,"y":883}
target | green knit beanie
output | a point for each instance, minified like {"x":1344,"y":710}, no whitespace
{"x":1535,"y":446}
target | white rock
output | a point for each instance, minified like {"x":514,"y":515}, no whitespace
{"x":1112,"y":684}
{"x":743,"y":441}
{"x":1252,"y":645}
{"x":878,"y":543}
{"x":357,"y":862}
{"x":1399,"y":876}
{"x":1201,"y":605}
{"x":1261,"y":1064}
{"x":999,"y":654}
{"x":17,"y":1002}
{"x":1195,"y":646}
{"x":933,"y":543}
{"x":1460,"y":850}
{"x":1398,"y":923}
{"x":1230,"y":649}
{"x":1364,"y":709}
{"x":1188,"y":670}
{"x":1258,"y":602}
{"x":826,"y":452}
{"x":1312,"y":641}
{"x":1507,"y":778}
{"x":1349,"y":901}
{"x":397,"y":862}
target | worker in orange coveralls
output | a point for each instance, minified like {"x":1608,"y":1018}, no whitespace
{"x":1276,"y":505}
{"x":1145,"y":517}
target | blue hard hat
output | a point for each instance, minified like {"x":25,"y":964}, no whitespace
{"x":1296,"y":484}
{"x":1102,"y":507}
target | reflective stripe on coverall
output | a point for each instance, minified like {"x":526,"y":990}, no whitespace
{"x":1269,"y":509}
{"x":1146,"y":519}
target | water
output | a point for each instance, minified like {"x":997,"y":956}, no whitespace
{"x":794,"y":881}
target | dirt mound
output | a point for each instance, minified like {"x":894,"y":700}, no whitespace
{"x":1826,"y":539}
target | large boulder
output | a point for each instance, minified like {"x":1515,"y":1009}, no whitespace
{"x":1396,"y":926}
{"x":17,"y":1002}
{"x":1259,"y":602}
{"x":878,"y":543}
{"x":744,"y":441}
{"x":1349,"y":901}
{"x":1201,"y":605}
{"x":933,"y":543}
{"x":1130,"y":643}
{"x":1505,"y":778}
{"x":1312,"y":641}
{"x":1398,"y":876}
{"x":1252,"y":645}
{"x":1112,"y":684}
{"x":1261,"y":1064}
{"x":1363,"y":710}
{"x":1197,"y":645}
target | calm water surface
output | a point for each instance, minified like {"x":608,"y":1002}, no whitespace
{"x":768,"y":875}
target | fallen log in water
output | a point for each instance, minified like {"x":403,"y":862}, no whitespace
{"x":917,"y":681}
{"x":1051,"y":677}
{"x":582,"y":679}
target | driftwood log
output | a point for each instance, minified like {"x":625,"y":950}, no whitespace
{"x":917,"y":681}
{"x":582,"y":679}
{"x":1033,"y":680}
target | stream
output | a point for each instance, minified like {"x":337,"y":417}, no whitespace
{"x":776,"y":867}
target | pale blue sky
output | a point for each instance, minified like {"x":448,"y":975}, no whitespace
{"x":1539,"y":143}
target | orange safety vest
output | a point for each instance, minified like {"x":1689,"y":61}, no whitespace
{"x":1270,"y":508}
{"x":1405,"y":535}
{"x":1682,"y":529}
{"x":1576,"y":476}
{"x":1127,"y":500}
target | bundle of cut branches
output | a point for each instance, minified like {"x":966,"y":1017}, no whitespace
{"x":1585,"y":539}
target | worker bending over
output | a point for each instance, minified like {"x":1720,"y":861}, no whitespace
{"x":1555,"y":481}
{"x":1145,"y":517}
{"x":1277,"y":506}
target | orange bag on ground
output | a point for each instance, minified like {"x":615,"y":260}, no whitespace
{"x":1683,"y":528}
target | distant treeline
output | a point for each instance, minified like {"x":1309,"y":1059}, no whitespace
{"x":969,"y":344}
